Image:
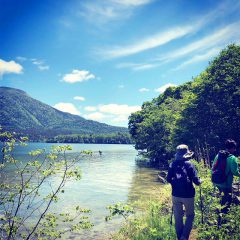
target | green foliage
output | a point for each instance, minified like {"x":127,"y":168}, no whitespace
{"x":216,"y":225}
{"x":29,"y":117}
{"x":153,"y":127}
{"x":30,"y":188}
{"x":119,"y":209}
{"x":154,"y":223}
{"x":205,"y":110}
{"x":214,"y":115}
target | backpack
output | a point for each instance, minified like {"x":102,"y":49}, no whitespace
{"x":180,"y":176}
{"x":219,"y":175}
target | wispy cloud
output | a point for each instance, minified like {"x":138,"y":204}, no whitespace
{"x":101,"y":12}
{"x":165,"y":37}
{"x":144,"y":90}
{"x":21,"y":59}
{"x":145,"y":66}
{"x":132,"y":2}
{"x":223,"y":36}
{"x":10,"y":67}
{"x":78,"y":76}
{"x":40,"y":64}
{"x":197,"y":51}
{"x":43,"y":67}
{"x":225,"y":8}
{"x":218,"y":38}
{"x":137,"y":66}
{"x":164,"y":87}
{"x":146,"y":44}
{"x":199,"y":58}
{"x":67,"y":107}
{"x":79,"y":98}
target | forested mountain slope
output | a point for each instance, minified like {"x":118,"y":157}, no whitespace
{"x":21,"y":113}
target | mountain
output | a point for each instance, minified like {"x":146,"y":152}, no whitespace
{"x":23,"y":114}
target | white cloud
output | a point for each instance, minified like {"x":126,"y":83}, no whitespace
{"x":144,"y":67}
{"x":218,"y":38}
{"x":78,"y":76}
{"x":120,"y":118}
{"x":198,"y":58}
{"x":96,"y":116}
{"x":10,"y":67}
{"x":137,"y":66}
{"x":79,"y":98}
{"x":40,"y":64}
{"x":67,"y":107}
{"x":37,"y":62}
{"x":143,"y":90}
{"x":121,"y":86}
{"x":117,"y":109}
{"x":90,"y":108}
{"x":132,"y":2}
{"x":111,"y":113}
{"x":21,"y":59}
{"x":101,"y":12}
{"x":43,"y":67}
{"x":148,"y":43}
{"x":224,"y":9}
{"x":164,"y":87}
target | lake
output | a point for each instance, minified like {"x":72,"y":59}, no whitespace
{"x":106,"y":179}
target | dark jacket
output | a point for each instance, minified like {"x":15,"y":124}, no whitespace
{"x":184,"y":189}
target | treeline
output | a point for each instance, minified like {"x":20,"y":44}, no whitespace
{"x":114,"y":138}
{"x":205,"y":110}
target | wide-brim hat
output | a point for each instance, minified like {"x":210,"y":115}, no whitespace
{"x":183,"y":151}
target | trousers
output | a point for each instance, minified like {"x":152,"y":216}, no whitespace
{"x":226,"y":198}
{"x":183,"y":229}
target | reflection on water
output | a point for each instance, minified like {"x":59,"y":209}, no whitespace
{"x":144,"y":185}
{"x":106,"y":179}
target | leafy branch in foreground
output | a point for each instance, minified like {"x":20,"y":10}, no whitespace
{"x":119,"y":209}
{"x":29,"y":188}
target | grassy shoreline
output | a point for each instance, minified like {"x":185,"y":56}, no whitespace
{"x":153,"y":223}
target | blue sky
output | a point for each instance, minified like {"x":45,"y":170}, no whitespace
{"x":101,"y":59}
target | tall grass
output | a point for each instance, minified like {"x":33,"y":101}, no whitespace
{"x":154,"y":223}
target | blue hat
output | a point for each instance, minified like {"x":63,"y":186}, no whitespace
{"x":183,"y":151}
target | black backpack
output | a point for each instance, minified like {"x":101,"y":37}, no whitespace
{"x":180,"y":177}
{"x":219,"y":175}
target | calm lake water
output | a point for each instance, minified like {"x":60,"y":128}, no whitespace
{"x":107,"y":179}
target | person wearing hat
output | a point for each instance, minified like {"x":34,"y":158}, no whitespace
{"x":181,"y":175}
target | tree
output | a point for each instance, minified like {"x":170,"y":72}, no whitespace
{"x":30,"y":188}
{"x":205,"y":110}
{"x":214,"y":114}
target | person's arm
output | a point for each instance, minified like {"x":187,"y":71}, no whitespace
{"x":234,"y":167}
{"x":196,"y":180}
{"x":170,"y":174}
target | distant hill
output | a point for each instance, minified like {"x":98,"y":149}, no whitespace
{"x":23,"y":114}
